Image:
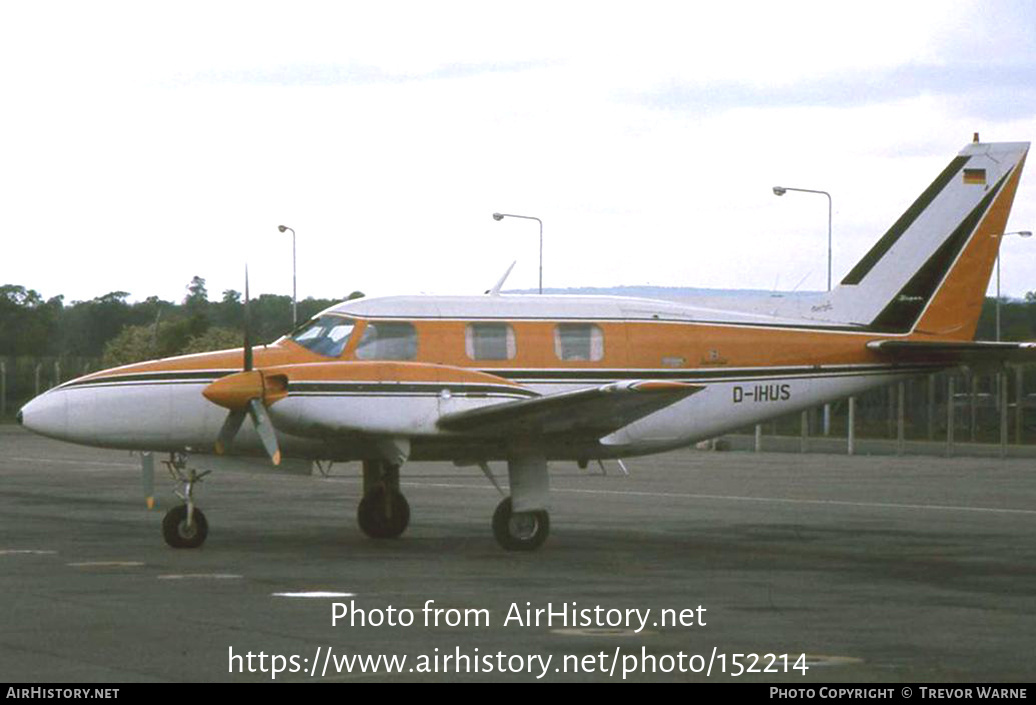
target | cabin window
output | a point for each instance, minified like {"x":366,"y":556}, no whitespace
{"x":578,"y":341}
{"x":326,"y":335}
{"x":489,"y":341}
{"x":388,"y":341}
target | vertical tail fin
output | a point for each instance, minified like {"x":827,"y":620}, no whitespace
{"x":929,"y":273}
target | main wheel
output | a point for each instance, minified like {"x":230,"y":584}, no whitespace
{"x":176,"y":532}
{"x":519,"y":531}
{"x":383,"y":513}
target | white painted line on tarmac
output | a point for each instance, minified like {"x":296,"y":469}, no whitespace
{"x":201,"y":576}
{"x":314,"y":593}
{"x":819,"y":502}
{"x":25,"y":552}
{"x":762,"y":500}
{"x":664,"y":495}
{"x":107,"y":564}
{"x":601,"y":632}
{"x":60,"y":461}
{"x":815,"y":660}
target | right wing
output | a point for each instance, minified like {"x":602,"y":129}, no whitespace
{"x":596,"y":411}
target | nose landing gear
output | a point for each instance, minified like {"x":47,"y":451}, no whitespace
{"x":184,"y":526}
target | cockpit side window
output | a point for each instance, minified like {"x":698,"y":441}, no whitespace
{"x":388,"y":340}
{"x":327,"y":335}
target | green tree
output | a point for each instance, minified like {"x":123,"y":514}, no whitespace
{"x":27,"y":322}
{"x":132,"y":344}
{"x":214,"y":339}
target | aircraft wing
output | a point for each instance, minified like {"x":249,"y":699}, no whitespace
{"x":964,"y":353}
{"x":596,"y":411}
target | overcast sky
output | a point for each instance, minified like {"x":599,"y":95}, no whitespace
{"x":144,"y":143}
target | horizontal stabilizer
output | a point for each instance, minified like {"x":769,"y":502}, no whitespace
{"x":590,"y":412}
{"x":964,"y":353}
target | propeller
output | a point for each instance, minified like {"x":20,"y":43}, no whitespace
{"x":246,"y":394}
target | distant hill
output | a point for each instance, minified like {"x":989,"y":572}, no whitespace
{"x":666,"y":293}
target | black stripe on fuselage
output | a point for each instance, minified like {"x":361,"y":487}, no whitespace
{"x":523,"y":376}
{"x":185,"y":377}
{"x":406,"y":388}
{"x":563,"y":376}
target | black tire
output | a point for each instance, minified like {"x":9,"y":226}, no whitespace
{"x":176,"y":532}
{"x":383,"y":514}
{"x":520,"y":531}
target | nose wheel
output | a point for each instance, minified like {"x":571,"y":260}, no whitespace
{"x":519,"y":531}
{"x":184,"y":526}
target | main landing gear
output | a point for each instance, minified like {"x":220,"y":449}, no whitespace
{"x":384,"y":512}
{"x":524,"y":530}
{"x":519,"y":531}
{"x":184,"y":526}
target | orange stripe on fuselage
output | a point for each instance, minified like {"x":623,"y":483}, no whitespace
{"x":628,"y":346}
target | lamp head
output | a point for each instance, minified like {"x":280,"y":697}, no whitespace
{"x":1025,"y":233}
{"x":779,"y":190}
{"x":282,"y":228}
{"x":498,"y":216}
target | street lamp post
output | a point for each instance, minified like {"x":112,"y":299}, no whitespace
{"x":1019,"y":233}
{"x":294,"y":290}
{"x":780,"y":191}
{"x":501,"y":216}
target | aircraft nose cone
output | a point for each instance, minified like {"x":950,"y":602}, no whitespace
{"x":46,"y":415}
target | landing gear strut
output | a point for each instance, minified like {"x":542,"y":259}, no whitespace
{"x":184,"y":526}
{"x":520,"y":531}
{"x":384,"y":512}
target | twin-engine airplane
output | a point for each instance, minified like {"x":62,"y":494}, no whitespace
{"x":530,"y":379}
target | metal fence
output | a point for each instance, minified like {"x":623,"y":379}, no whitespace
{"x":22,"y":378}
{"x":950,"y":408}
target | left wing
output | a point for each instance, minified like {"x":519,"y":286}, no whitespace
{"x":596,"y":411}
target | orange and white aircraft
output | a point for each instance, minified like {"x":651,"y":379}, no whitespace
{"x":531,"y":379}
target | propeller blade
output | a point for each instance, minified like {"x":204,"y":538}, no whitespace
{"x":147,"y":476}
{"x":232,"y":391}
{"x":230,"y":428}
{"x":248,"y":327}
{"x":264,"y":427}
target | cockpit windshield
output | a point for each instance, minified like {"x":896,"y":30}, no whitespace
{"x":326,"y":335}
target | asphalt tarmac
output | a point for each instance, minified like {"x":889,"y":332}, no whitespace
{"x":877,"y":569}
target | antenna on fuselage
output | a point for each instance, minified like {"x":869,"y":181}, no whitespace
{"x":495,"y":291}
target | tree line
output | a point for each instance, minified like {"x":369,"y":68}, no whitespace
{"x":111,"y":328}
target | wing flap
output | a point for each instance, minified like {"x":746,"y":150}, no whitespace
{"x":596,"y":411}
